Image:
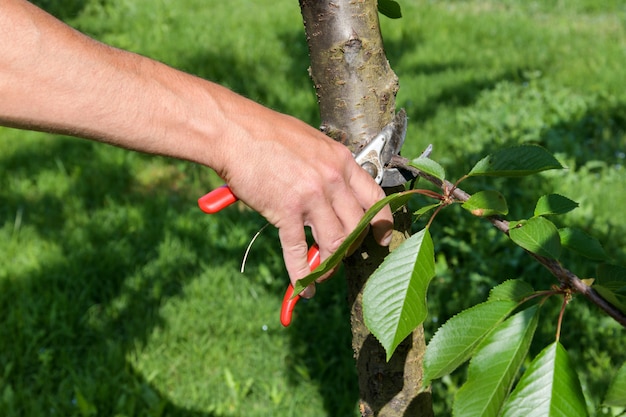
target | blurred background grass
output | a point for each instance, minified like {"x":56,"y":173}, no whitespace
{"x":118,"y":297}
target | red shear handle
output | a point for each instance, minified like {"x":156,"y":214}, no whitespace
{"x":286,"y":311}
{"x":217,"y":200}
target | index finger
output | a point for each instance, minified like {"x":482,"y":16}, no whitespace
{"x":295,"y":254}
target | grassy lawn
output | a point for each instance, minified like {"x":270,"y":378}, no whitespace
{"x":118,"y":297}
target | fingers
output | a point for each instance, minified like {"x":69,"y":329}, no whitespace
{"x":382,"y":226}
{"x":331,"y":224}
{"x":331,"y":220}
{"x":295,"y":250}
{"x":331,"y":202}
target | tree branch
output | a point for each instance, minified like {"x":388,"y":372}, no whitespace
{"x":567,"y":278}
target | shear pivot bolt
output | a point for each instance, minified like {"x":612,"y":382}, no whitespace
{"x":371,"y":169}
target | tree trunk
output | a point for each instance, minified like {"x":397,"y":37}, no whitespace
{"x":356,"y":89}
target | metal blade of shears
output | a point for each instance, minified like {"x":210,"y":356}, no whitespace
{"x":379,"y":150}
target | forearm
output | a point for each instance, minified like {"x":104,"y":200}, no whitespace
{"x":53,"y":78}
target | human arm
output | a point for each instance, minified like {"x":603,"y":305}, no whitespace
{"x":52,"y":78}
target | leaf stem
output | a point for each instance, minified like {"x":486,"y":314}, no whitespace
{"x":566,"y":298}
{"x":428,"y":193}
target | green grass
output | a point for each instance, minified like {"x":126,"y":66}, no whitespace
{"x":118,"y":297}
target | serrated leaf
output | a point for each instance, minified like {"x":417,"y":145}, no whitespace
{"x":581,"y":243}
{"x":394,"y":298}
{"x":548,"y":388}
{"x":616,"y":395}
{"x":430,"y":167}
{"x":554,"y":204}
{"x":333,"y":260}
{"x":537,"y":235}
{"x":513,"y":289}
{"x":516,"y":161}
{"x":390,"y":8}
{"x":494,"y":366}
{"x":456,"y":340}
{"x":486,"y":203}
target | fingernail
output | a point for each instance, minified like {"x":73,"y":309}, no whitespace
{"x":387,"y":239}
{"x":308,"y":292}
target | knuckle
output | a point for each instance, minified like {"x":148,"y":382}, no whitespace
{"x":344,"y":153}
{"x":311,"y":188}
{"x":334,"y":245}
{"x":335,"y":177}
{"x":336,"y":166}
{"x":296,"y":250}
{"x":295,"y":260}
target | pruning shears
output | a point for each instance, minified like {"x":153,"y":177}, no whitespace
{"x":374,"y":157}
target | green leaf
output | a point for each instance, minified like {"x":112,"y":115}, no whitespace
{"x":456,"y":340}
{"x":548,"y":388}
{"x":516,"y":161}
{"x":581,"y":243}
{"x":513,"y":289}
{"x":537,"y":235}
{"x":394,"y":298}
{"x":554,"y":204}
{"x":616,"y":396}
{"x":390,"y":8}
{"x":486,"y":203}
{"x":334,"y":260}
{"x":398,"y":201}
{"x":430,"y":167}
{"x":419,"y":213}
{"x":493,"y":368}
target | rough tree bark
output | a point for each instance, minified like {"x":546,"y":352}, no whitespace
{"x":356,"y":89}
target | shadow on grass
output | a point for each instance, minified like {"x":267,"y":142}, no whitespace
{"x":597,"y":135}
{"x":112,"y":254}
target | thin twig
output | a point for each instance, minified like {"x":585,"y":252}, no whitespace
{"x":561,"y":314}
{"x":570,"y":280}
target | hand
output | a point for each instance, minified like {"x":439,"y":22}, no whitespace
{"x":298,"y":177}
